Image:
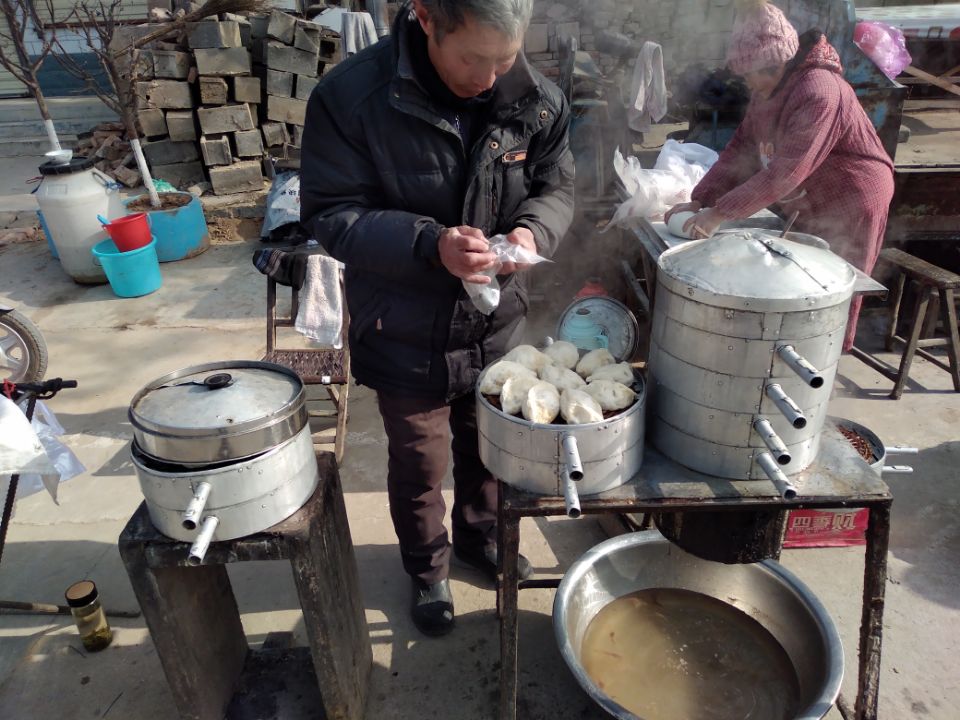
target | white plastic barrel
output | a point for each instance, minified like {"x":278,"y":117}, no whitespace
{"x":70,"y":198}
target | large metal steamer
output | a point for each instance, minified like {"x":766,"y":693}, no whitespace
{"x":222,"y":450}
{"x":571,"y":460}
{"x":747,"y":333}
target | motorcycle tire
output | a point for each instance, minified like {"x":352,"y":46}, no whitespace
{"x":23,"y":351}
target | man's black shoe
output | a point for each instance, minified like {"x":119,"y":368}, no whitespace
{"x":486,"y":561}
{"x":432,"y":609}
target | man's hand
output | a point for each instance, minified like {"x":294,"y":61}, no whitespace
{"x":703,"y":224}
{"x":465,"y":252}
{"x":693,"y":206}
{"x":524,"y":238}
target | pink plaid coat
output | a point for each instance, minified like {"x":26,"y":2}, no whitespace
{"x":810,"y":148}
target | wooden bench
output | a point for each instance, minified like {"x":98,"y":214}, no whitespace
{"x":934,"y":287}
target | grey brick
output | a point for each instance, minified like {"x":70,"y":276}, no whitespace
{"x":296,"y":136}
{"x":289,"y":59}
{"x":330,"y":48}
{"x":288,"y":110}
{"x":275,"y":133}
{"x":181,"y":126}
{"x":164,"y":94}
{"x":307,"y":37}
{"x":305,"y":86}
{"x":537,"y":39}
{"x":227,"y":118}
{"x":167,"y":152}
{"x":180,"y":175}
{"x":248,"y":143}
{"x":171,"y":64}
{"x":246,"y":30}
{"x":216,"y":151}
{"x":152,"y":122}
{"x":279,"y":83}
{"x":213,"y":91}
{"x":281,"y":26}
{"x":243,"y":176}
{"x":246,"y":89}
{"x":226,"y":61}
{"x":213,"y":34}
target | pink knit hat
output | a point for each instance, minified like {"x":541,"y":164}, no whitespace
{"x":762,"y":37}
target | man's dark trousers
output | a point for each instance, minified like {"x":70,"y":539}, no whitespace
{"x":418,"y":434}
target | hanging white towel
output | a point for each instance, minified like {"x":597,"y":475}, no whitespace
{"x":649,"y":89}
{"x":320,"y":316}
{"x":358,"y":32}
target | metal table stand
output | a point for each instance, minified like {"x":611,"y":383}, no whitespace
{"x":838,"y":479}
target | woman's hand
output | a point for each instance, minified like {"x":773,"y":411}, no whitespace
{"x":703,"y":224}
{"x":692,"y":206}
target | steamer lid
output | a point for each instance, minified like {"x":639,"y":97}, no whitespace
{"x":757,"y":270}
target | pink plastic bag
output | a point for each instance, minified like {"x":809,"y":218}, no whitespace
{"x":885,"y":45}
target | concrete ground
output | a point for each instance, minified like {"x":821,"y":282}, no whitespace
{"x":212,"y":308}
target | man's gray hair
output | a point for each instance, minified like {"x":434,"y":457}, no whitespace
{"x":510,"y":17}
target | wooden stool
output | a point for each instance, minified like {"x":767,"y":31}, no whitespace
{"x":934,"y":286}
{"x":195,"y":624}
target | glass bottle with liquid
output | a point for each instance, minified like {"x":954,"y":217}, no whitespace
{"x":84,"y":602}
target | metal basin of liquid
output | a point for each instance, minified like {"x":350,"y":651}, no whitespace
{"x":765,"y":591}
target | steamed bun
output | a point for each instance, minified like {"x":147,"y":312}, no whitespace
{"x":528,"y":356}
{"x":542,"y":404}
{"x":576,"y":407}
{"x":515,"y":391}
{"x":563,"y":354}
{"x":611,"y":395}
{"x":561,"y":378}
{"x":593,"y":361}
{"x":497,"y":374}
{"x":621,"y":373}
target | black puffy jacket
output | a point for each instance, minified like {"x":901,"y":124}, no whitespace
{"x":383,"y":172}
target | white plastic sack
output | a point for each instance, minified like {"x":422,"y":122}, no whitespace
{"x":34,"y":451}
{"x":283,"y":202}
{"x":679,"y":167}
{"x":486,"y":298}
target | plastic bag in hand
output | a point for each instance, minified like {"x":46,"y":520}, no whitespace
{"x":885,"y":45}
{"x":486,"y":298}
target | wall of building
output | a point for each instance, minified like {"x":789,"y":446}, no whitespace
{"x":690,"y":31}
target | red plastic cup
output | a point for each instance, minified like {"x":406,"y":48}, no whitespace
{"x":130,"y":232}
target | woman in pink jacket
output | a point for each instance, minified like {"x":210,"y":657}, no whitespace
{"x":805,"y":146}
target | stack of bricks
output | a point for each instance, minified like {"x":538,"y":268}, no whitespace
{"x":234,"y":95}
{"x":291,"y":55}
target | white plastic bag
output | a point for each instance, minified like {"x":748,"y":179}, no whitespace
{"x":283,"y":202}
{"x":486,"y":298}
{"x":65,"y":464}
{"x":679,"y":167}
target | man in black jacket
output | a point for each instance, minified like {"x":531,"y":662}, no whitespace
{"x":416,"y":151}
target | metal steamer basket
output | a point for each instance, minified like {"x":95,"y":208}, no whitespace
{"x":570,"y":460}
{"x":747,"y":334}
{"x":222,"y":450}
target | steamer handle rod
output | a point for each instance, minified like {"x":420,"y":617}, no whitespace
{"x":572,"y":472}
{"x":781,"y":482}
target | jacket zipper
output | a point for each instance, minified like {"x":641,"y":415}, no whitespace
{"x":493,"y":202}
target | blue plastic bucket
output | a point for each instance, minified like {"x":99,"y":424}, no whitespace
{"x":46,"y":234}
{"x":180,"y":233}
{"x":131,"y":274}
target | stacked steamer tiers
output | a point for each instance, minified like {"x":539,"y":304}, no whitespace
{"x":560,"y":457}
{"x":747,"y":334}
{"x":222,"y":451}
